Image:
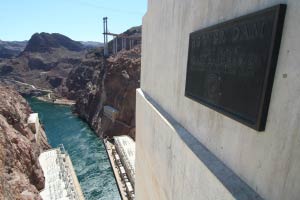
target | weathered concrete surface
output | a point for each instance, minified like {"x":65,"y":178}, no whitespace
{"x":268,"y":161}
{"x":179,"y":166}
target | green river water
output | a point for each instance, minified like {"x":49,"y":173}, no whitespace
{"x":86,"y":150}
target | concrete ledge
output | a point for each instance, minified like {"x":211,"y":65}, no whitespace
{"x":204,"y":175}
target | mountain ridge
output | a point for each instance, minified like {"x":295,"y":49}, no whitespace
{"x":42,"y":42}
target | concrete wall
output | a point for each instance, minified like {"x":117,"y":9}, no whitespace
{"x":173,"y":164}
{"x":268,"y":161}
{"x":34,"y":123}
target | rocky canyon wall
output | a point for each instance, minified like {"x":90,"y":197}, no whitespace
{"x":95,"y":86}
{"x":21,"y":176}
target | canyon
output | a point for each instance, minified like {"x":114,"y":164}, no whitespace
{"x":58,"y":67}
{"x":53,"y":66}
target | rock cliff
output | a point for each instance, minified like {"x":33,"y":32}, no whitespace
{"x":95,"y":86}
{"x":21,"y":176}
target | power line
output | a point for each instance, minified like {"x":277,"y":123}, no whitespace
{"x":107,"y":8}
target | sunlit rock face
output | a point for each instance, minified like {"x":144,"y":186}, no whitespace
{"x":95,"y":86}
{"x":21,"y":176}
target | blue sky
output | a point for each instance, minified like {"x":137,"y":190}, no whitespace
{"x":77,"y":19}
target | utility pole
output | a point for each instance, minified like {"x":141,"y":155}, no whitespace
{"x":105,"y":52}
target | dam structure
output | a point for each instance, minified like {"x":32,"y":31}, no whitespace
{"x":218,"y":110}
{"x":60,"y":178}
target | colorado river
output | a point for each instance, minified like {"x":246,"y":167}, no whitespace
{"x":85,"y":149}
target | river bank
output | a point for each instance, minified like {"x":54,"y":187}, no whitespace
{"x":61,"y":101}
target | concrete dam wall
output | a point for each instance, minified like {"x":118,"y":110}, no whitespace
{"x":186,"y":150}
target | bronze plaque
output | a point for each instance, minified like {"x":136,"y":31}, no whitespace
{"x":231,"y":65}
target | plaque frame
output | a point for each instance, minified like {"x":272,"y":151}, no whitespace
{"x":259,"y":123}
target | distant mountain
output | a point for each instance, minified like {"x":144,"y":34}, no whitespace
{"x":9,"y":49}
{"x":45,"y":62}
{"x":43,"y":42}
{"x":134,"y":31}
{"x":91,"y":44}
